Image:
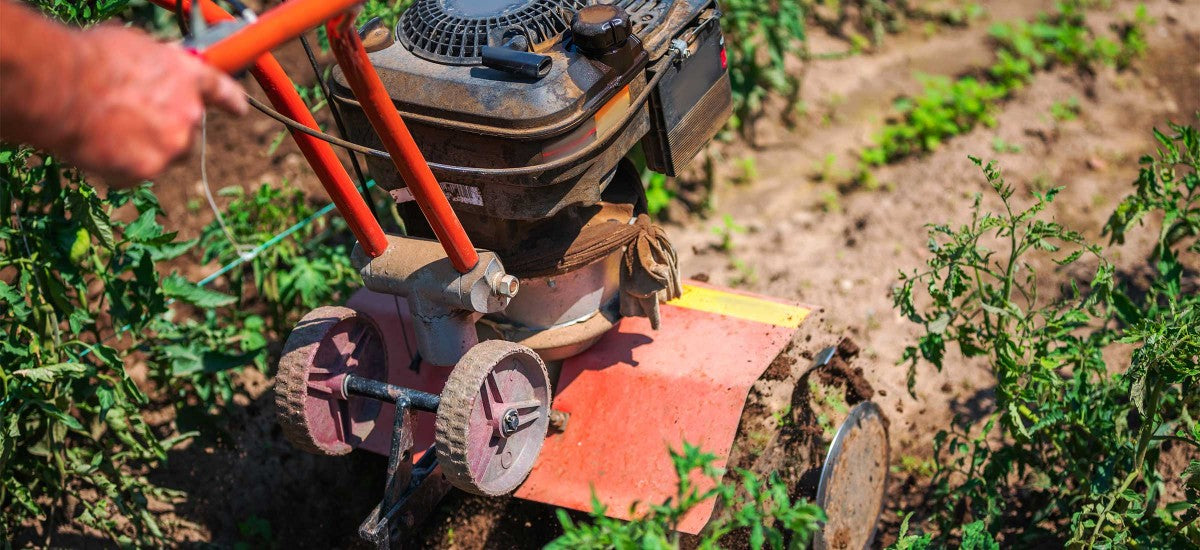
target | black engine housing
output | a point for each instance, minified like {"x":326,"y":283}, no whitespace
{"x":510,"y":147}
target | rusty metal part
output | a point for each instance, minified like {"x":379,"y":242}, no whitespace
{"x":559,"y":420}
{"x":314,"y":411}
{"x":557,"y":342}
{"x":493,"y":418}
{"x":445,"y":303}
{"x":853,"y":481}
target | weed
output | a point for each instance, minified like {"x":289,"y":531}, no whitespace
{"x":726,"y":232}
{"x":748,"y":171}
{"x":763,"y":508}
{"x":1064,"y":111}
{"x":831,"y":201}
{"x":305,"y":270}
{"x":949,"y":107}
{"x":745,"y":274}
{"x":825,"y":170}
{"x":1082,"y":439}
{"x":924,"y":468}
{"x":999,"y":145}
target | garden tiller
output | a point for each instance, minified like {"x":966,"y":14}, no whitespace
{"x":530,"y":334}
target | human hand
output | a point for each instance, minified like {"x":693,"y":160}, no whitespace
{"x":136,"y":104}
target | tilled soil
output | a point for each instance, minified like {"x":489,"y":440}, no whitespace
{"x":805,"y":241}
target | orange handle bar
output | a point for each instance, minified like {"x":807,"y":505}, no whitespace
{"x":282,"y":23}
{"x":385,"y":119}
{"x":251,"y":44}
{"x":319,"y":154}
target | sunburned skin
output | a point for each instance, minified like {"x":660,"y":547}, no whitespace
{"x":109,"y":100}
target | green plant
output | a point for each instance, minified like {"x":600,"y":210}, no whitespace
{"x":760,"y":36}
{"x":726,"y":231}
{"x":748,"y":170}
{"x":999,"y":145}
{"x":763,"y":509}
{"x":73,"y":279}
{"x":905,"y":541}
{"x":944,"y":109}
{"x":1071,"y":452}
{"x":308,"y":268}
{"x":658,"y":196}
{"x":831,"y":201}
{"x":81,"y":13}
{"x":949,"y":107}
{"x":1064,"y":111}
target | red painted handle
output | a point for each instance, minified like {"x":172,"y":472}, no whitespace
{"x":319,"y":154}
{"x":282,"y":23}
{"x":385,"y":119}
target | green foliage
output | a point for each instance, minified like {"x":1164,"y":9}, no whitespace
{"x":658,"y":195}
{"x":71,"y":277}
{"x":726,"y":231}
{"x":761,"y":37}
{"x":308,"y":268}
{"x":905,"y":541}
{"x":387,"y":10}
{"x":999,"y":145}
{"x":81,"y":13}
{"x":1071,"y":451}
{"x":763,"y":509}
{"x":946,"y":108}
{"x":1064,"y":111}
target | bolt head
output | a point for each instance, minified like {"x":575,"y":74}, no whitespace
{"x":510,"y":422}
{"x":507,"y":286}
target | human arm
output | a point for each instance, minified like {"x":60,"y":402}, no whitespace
{"x":110,"y":100}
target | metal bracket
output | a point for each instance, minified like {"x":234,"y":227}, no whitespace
{"x":412,"y":490}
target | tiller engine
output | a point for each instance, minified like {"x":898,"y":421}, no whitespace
{"x":532,"y":335}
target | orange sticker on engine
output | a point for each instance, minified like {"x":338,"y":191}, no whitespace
{"x":610,"y":115}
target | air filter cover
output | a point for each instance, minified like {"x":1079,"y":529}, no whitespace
{"x":454,"y":31}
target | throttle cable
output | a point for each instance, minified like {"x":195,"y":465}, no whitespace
{"x":634,"y":107}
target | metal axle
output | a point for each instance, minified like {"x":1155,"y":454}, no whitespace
{"x":389,"y":393}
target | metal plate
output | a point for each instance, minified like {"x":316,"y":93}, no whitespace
{"x":638,"y":392}
{"x":630,"y":397}
{"x":854,"y":480}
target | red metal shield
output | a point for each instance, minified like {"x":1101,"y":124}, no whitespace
{"x":631,"y":397}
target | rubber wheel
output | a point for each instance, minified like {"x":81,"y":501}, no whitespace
{"x":328,"y":342}
{"x":493,"y":417}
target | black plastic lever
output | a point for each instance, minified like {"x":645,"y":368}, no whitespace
{"x":512,"y":57}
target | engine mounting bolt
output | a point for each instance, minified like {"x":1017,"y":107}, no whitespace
{"x":506,"y":285}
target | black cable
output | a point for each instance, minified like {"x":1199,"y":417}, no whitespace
{"x":634,"y":107}
{"x":341,"y":126}
{"x":299,"y":127}
{"x":180,"y":19}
